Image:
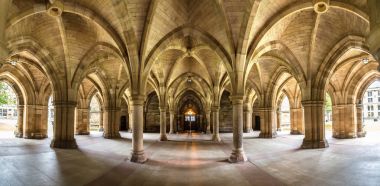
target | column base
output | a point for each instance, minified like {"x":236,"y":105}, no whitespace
{"x":248,"y":131}
{"x":171,"y":132}
{"x":344,"y":136}
{"x":268,"y":135}
{"x":35,"y":136}
{"x":306,"y":144}
{"x":82,"y":133}
{"x":18,"y":135}
{"x":163,"y":138}
{"x":361,"y":134}
{"x":115,"y":135}
{"x":64,"y":144}
{"x":216,"y":138}
{"x":138,"y":157}
{"x":296,"y":132}
{"x":208,"y":132}
{"x":237,"y":156}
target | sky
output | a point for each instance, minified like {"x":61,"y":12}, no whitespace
{"x":375,"y":84}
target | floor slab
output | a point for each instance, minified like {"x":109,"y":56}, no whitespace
{"x":190,"y":160}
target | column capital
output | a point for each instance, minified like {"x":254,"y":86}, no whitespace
{"x":112,"y":108}
{"x":238,"y":99}
{"x":59,"y":103}
{"x":264,"y":109}
{"x":137,"y":100}
{"x":215,"y":108}
{"x":310,"y":103}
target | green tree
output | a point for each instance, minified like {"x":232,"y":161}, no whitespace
{"x":7,"y":96}
{"x":328,"y":103}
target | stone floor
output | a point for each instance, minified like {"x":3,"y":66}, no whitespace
{"x":190,"y":160}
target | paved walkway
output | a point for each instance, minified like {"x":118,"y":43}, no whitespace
{"x":190,"y":160}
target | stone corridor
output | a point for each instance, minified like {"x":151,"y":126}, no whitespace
{"x":185,"y":160}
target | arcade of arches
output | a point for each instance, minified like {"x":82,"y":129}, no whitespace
{"x":177,"y":66}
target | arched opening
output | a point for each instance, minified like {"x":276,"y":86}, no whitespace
{"x":124,"y":116}
{"x":8,"y":110}
{"x":328,"y":113}
{"x":191,"y":115}
{"x":50,"y":116}
{"x":284,"y":112}
{"x":95,"y":112}
{"x":152,"y":114}
{"x":371,"y":107}
{"x":225,"y":113}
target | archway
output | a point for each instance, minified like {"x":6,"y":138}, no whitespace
{"x":8,"y":110}
{"x":95,"y":114}
{"x":284,"y":114}
{"x":328,"y":113}
{"x":191,"y":115}
{"x":371,"y":107}
{"x":152,"y":114}
{"x":50,"y":116}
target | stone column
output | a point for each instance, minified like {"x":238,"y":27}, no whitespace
{"x":64,"y":125}
{"x":359,"y":119}
{"x":137,"y":107}
{"x":296,"y":121}
{"x":373,"y":39}
{"x":111,"y":122}
{"x":82,"y":121}
{"x":163,"y":136}
{"x":314,"y":125}
{"x":268,"y":118}
{"x":208,"y":122}
{"x":101,"y":128}
{"x":215,"y":131}
{"x":44,"y":120}
{"x":33,"y":128}
{"x":4,"y":7}
{"x":171,"y":117}
{"x":130,"y":120}
{"x":237,"y":154}
{"x":247,"y":119}
{"x":344,"y":121}
{"x":278,"y":117}
{"x":20,"y":120}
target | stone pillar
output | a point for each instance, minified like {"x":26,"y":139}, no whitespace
{"x":130,"y":120}
{"x":247,"y":119}
{"x":344,"y":121}
{"x":171,"y":117}
{"x":101,"y":128}
{"x":44,"y":120}
{"x":208,"y":122}
{"x":237,"y":154}
{"x":20,"y":120}
{"x":296,"y":121}
{"x":4,"y":7}
{"x":373,"y":39}
{"x":82,"y":121}
{"x":33,"y":128}
{"x":215,"y":131}
{"x":268,"y":118}
{"x":278,"y":117}
{"x":64,"y":125}
{"x":359,"y":119}
{"x":163,"y":136}
{"x":314,"y":125}
{"x":137,"y":107}
{"x":111,"y":123}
